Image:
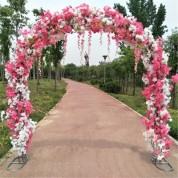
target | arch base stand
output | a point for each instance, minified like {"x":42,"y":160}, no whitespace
{"x":17,"y":163}
{"x":163,"y":164}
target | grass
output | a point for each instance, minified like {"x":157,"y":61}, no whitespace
{"x":42,"y":101}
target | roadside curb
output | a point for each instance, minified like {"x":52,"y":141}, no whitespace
{"x":173,"y":139}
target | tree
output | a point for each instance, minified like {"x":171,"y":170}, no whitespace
{"x":120,"y":8}
{"x":146,"y":12}
{"x":6,"y":32}
{"x":70,"y":71}
{"x":19,"y":18}
{"x":38,"y":12}
{"x":171,"y":47}
{"x":57,"y":52}
{"x":158,"y":28}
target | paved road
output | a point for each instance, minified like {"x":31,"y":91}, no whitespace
{"x":90,"y":135}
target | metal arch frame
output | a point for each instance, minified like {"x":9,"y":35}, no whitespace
{"x":158,"y":163}
{"x":20,"y":161}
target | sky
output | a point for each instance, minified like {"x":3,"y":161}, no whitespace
{"x":97,"y":50}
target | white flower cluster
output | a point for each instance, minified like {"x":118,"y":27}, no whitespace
{"x":149,"y":135}
{"x":4,"y":116}
{"x":25,"y":127}
{"x":25,"y":130}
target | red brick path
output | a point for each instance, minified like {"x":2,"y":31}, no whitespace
{"x":90,"y":135}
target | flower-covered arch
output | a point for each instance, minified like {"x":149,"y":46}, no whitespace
{"x":50,"y":29}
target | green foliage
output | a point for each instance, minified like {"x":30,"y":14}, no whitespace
{"x":120,"y":8}
{"x":45,"y":98}
{"x":57,"y":52}
{"x":19,"y":18}
{"x":70,"y":71}
{"x":136,"y":102}
{"x":158,"y":28}
{"x":111,"y":87}
{"x":174,"y":123}
{"x":42,"y":102}
{"x":138,"y":8}
{"x":171,"y":47}
{"x":146,"y":12}
{"x":38,"y":12}
{"x":4,"y":139}
{"x":6,"y":32}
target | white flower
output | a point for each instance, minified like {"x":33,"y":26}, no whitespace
{"x":63,"y":23}
{"x":132,"y":28}
{"x":170,"y":119}
{"x":145,"y":80}
{"x":89,"y":20}
{"x":160,"y":157}
{"x":165,"y":58}
{"x":109,"y":22}
{"x":3,"y":113}
{"x":104,"y":20}
{"x":163,"y":113}
{"x":140,"y":37}
{"x":20,"y":71}
{"x":154,"y":79}
{"x":34,"y":52}
{"x":29,"y":51}
{"x":149,"y":134}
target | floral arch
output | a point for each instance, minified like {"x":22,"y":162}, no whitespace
{"x":50,"y":29}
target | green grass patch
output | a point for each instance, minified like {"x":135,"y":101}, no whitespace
{"x":42,"y":101}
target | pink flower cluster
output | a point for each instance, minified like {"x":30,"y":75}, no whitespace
{"x":52,"y":28}
{"x":175,"y":78}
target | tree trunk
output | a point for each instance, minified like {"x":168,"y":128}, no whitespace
{"x":134,"y":85}
{"x":3,"y":68}
{"x":42,"y":67}
{"x":34,"y":72}
{"x":123,"y":84}
{"x":119,"y":78}
{"x":38,"y":78}
{"x":60,"y":72}
{"x":127,"y":83}
{"x":2,"y":73}
{"x":55,"y":80}
{"x":16,"y":31}
{"x":174,"y":96}
{"x":49,"y":71}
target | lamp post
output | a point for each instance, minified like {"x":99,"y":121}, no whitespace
{"x":105,"y":56}
{"x":86,"y":59}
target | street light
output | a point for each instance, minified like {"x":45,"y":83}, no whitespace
{"x":105,"y":56}
{"x":86,"y":59}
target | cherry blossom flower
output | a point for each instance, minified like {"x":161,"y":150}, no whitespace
{"x":50,"y":29}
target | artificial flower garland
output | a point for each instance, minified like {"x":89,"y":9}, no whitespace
{"x":51,"y":28}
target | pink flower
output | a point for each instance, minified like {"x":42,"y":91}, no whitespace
{"x":175,"y":78}
{"x":67,"y":29}
{"x":10,"y":92}
{"x":147,"y":92}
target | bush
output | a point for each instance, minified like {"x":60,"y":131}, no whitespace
{"x":94,"y":81}
{"x":111,"y":87}
{"x":174,"y":123}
